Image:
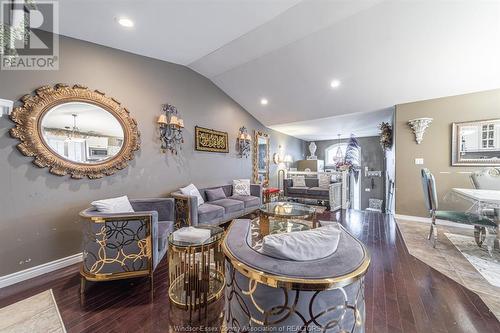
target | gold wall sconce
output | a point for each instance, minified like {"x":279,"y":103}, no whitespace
{"x":171,"y":125}
{"x":281,"y":158}
{"x":244,"y":141}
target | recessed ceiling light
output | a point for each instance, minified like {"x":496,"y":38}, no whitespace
{"x":335,"y":83}
{"x":125,"y":22}
{"x":264,"y":101}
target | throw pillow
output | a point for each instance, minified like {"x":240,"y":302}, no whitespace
{"x":299,"y":181}
{"x":215,"y":194}
{"x":303,"y":245}
{"x":113,"y":205}
{"x":324,"y":180}
{"x":191,"y":190}
{"x":241,"y":187}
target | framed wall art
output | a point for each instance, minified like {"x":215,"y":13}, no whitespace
{"x":211,"y":140}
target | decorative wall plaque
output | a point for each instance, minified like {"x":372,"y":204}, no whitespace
{"x":210,"y":140}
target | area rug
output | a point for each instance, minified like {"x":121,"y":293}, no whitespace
{"x":37,"y":314}
{"x":488,"y":266}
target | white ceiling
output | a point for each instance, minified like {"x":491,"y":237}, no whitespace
{"x":359,"y":124}
{"x":383,"y":52}
{"x":90,"y":118}
{"x":179,"y":31}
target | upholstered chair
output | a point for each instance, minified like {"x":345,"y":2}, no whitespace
{"x":126,"y":245}
{"x":480,"y":223}
{"x":486,"y":179}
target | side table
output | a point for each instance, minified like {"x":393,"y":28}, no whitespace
{"x":196,"y":272}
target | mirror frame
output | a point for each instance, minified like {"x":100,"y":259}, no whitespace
{"x":257,"y":135}
{"x":455,"y":149}
{"x":28,"y":119}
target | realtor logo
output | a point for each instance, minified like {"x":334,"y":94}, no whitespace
{"x":29,"y":37}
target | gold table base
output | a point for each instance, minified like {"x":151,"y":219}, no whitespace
{"x":196,"y":276}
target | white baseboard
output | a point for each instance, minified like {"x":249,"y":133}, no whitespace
{"x":32,"y":272}
{"x":428,"y":220}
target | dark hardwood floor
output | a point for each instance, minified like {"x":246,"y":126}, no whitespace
{"x":402,"y":293}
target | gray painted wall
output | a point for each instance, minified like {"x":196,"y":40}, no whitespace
{"x":38,"y":210}
{"x":435,"y":149}
{"x":372,"y":156}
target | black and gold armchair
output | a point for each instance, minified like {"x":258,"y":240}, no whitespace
{"x":126,"y":245}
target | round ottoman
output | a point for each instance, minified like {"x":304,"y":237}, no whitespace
{"x":266,"y":293}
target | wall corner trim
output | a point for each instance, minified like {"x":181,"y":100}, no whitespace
{"x":428,"y":220}
{"x":35,"y":271}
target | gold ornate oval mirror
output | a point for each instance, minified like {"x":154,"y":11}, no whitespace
{"x":261,"y":158}
{"x":76,"y":131}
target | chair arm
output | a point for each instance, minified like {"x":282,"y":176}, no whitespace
{"x":119,"y":244}
{"x":164,"y":206}
{"x":135,"y":217}
{"x":186,"y":209}
{"x":287,"y":182}
{"x":99,"y":217}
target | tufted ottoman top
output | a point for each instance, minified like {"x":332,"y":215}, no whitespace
{"x":349,"y":263}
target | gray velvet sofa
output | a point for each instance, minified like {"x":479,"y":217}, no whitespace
{"x":216,"y":212}
{"x":126,"y":245}
{"x":310,"y":191}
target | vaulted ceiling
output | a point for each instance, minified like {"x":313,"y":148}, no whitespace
{"x":288,"y":51}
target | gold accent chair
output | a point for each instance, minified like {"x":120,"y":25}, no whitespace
{"x":127,"y":245}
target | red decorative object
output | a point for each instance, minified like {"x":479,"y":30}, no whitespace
{"x":269,"y":193}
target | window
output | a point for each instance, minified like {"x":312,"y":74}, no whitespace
{"x":488,"y":136}
{"x":331,"y":153}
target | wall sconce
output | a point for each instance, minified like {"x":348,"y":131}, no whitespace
{"x":281,"y":158}
{"x":5,"y":107}
{"x":171,"y":126}
{"x":244,"y":140}
{"x":419,"y":126}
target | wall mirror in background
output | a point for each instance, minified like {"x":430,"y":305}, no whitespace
{"x":261,"y":158}
{"x":74,"y":130}
{"x":476,"y":143}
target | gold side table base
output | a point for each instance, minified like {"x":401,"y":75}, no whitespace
{"x":196,"y":274}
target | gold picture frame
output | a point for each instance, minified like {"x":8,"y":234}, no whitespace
{"x":210,"y":140}
{"x":28,"y":129}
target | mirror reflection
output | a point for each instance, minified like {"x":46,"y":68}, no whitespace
{"x":82,"y":132}
{"x":262,"y":144}
{"x":261,"y":158}
{"x":476,"y":143}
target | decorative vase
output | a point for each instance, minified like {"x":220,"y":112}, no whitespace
{"x":312,"y":149}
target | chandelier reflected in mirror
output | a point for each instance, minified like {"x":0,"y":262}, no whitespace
{"x":71,"y":132}
{"x":171,"y":126}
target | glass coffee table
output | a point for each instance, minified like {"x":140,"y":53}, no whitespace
{"x":285,"y":216}
{"x":196,"y":271}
